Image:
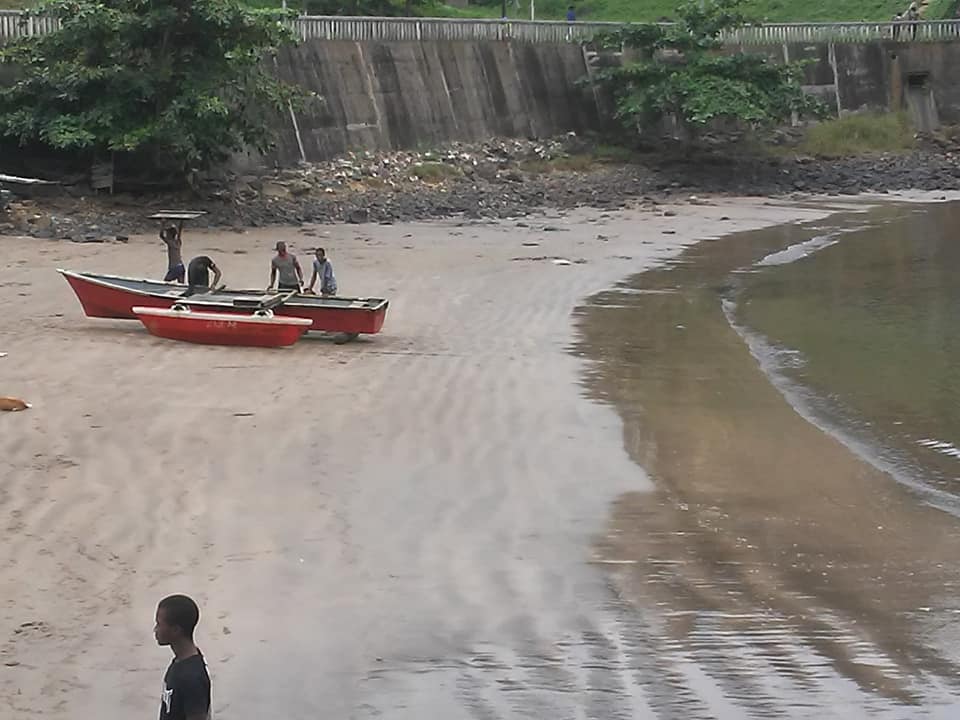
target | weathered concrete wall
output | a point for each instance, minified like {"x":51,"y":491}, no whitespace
{"x":877,"y":75}
{"x":387,"y":95}
{"x":391,"y":95}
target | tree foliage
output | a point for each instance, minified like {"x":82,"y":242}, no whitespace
{"x":681,"y":72}
{"x":178,"y":82}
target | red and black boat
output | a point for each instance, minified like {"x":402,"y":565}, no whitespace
{"x":111,"y":296}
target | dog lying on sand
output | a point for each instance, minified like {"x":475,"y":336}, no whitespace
{"x":13,"y":404}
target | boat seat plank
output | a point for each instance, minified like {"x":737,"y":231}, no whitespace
{"x":252,"y":301}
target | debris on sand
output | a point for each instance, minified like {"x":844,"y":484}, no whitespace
{"x":11,"y":404}
{"x":494,"y":179}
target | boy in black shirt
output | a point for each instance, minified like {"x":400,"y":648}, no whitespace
{"x":198,"y":275}
{"x":186,"y":685}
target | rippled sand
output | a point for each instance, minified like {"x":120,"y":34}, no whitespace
{"x":404,"y":526}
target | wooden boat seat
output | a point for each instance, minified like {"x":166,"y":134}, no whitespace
{"x":256,"y":302}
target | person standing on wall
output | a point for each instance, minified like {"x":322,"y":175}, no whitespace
{"x":913,"y":16}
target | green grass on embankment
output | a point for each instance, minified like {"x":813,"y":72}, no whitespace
{"x":635,"y":10}
{"x":583,"y":161}
{"x":860,"y":134}
{"x":434,"y":172}
{"x":769,"y":10}
{"x":863,"y":134}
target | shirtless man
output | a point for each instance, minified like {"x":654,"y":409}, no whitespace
{"x":171,"y":236}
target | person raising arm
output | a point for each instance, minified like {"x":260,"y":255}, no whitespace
{"x":172,"y":237}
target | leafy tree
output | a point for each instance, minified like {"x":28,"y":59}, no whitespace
{"x":178,"y":83}
{"x":680,"y":71}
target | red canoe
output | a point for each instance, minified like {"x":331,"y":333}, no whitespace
{"x":110,"y":296}
{"x":262,"y":329}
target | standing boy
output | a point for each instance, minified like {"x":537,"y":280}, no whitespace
{"x":323,"y":269}
{"x":186,"y":684}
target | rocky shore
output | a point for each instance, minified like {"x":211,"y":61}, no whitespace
{"x":495,"y":179}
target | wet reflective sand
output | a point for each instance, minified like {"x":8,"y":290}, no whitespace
{"x":784,"y":575}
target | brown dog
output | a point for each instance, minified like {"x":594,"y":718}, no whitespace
{"x":13,"y":404}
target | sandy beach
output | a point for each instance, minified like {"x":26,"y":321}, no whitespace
{"x":400,"y":527}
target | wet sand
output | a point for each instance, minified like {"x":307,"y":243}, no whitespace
{"x":400,"y":527}
{"x":788,"y":573}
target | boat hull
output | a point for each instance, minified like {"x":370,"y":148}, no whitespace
{"x":344,"y":321}
{"x":106,"y":296}
{"x":105,"y":301}
{"x":205,"y":328}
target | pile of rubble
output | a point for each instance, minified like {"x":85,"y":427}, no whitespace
{"x":495,"y":179}
{"x":404,"y":169}
{"x":477,"y":180}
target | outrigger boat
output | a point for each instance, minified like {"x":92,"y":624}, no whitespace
{"x":111,"y":296}
{"x":259,"y":329}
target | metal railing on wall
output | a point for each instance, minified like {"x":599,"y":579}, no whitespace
{"x":778,"y":33}
{"x":13,"y":24}
{"x":366,"y":28}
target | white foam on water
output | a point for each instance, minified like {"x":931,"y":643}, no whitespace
{"x":940,"y":446}
{"x":810,"y":407}
{"x":799,"y":251}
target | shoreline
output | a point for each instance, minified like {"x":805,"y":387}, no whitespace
{"x":820,"y":397}
{"x":766,"y":536}
{"x":400,"y":524}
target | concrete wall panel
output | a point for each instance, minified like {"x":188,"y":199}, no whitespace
{"x":379,"y":95}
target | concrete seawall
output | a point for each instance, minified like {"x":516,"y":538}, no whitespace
{"x":391,"y":95}
{"x":883,"y":75}
{"x":378,"y":95}
{"x":388,"y":95}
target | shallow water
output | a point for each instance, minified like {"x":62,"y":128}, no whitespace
{"x":884,"y":369}
{"x":788,"y":563}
